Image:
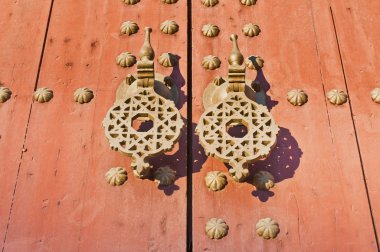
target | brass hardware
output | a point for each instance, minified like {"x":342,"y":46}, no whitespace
{"x":210,"y":30}
{"x":43,"y":95}
{"x":164,"y":176}
{"x":169,"y":27}
{"x":337,"y":97}
{"x":263,"y":180}
{"x":375,"y":95}
{"x":248,"y":2}
{"x":130,"y":2}
{"x":126,"y":59}
{"x":254,"y":62}
{"x":211,"y":62}
{"x":138,"y":101}
{"x":116,"y":176}
{"x":5,"y":94}
{"x":267,"y":228}
{"x":251,"y":30}
{"x":210,"y":3}
{"x":216,"y":180}
{"x":169,"y":1}
{"x":129,"y":28}
{"x":216,"y":228}
{"x":228,"y":103}
{"x":83,"y":95}
{"x":297,"y":97}
{"x":168,"y":60}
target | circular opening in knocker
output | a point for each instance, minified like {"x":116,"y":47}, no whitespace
{"x":237,"y":128}
{"x":142,"y":122}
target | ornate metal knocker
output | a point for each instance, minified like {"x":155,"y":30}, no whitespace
{"x":230,"y":102}
{"x":149,"y":97}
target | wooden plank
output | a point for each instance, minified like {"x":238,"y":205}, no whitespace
{"x":359,"y":39}
{"x":63,"y":202}
{"x":320,"y":199}
{"x":22,"y":30}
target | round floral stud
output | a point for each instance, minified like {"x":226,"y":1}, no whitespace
{"x":5,"y":94}
{"x":267,"y":228}
{"x":216,"y":228}
{"x":116,"y":176}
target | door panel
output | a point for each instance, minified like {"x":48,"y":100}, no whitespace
{"x":22,"y":31}
{"x":320,"y":200}
{"x":63,"y":202}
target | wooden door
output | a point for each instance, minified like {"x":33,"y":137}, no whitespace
{"x":53,"y":156}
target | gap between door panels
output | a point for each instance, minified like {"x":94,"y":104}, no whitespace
{"x":27,"y":123}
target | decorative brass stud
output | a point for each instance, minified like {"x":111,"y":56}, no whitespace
{"x":297,"y":97}
{"x":248,"y":2}
{"x":211,"y":62}
{"x":251,"y":30}
{"x":375,"y":95}
{"x":5,"y":94}
{"x":263,"y":180}
{"x":168,"y":60}
{"x":130,"y":2}
{"x":169,"y":27}
{"x":129,"y":28}
{"x":337,"y":97}
{"x":116,"y":176}
{"x":210,"y":3}
{"x":216,"y":180}
{"x":216,"y":228}
{"x":43,"y":95}
{"x":210,"y":30}
{"x":169,"y":1}
{"x":267,"y":228}
{"x":164,"y":176}
{"x":126,"y":59}
{"x":83,"y":95}
{"x":254,"y":62}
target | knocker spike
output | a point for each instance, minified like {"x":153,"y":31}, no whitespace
{"x":146,"y":51}
{"x":236,"y":58}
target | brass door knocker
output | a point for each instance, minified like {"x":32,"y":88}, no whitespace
{"x":149,"y":97}
{"x":229,"y":102}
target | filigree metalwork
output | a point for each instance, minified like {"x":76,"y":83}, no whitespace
{"x":143,"y":104}
{"x":237,"y":109}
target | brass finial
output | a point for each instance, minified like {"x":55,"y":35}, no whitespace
{"x":236,"y":58}
{"x":146,"y":51}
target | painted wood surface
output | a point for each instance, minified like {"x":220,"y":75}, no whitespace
{"x":62,"y":202}
{"x":22,"y":31}
{"x":320,"y":199}
{"x":359,"y":39}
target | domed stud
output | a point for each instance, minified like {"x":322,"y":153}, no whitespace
{"x":337,"y":97}
{"x":218,"y":80}
{"x":251,"y":30}
{"x":83,"y":95}
{"x":210,"y":3}
{"x":169,"y":1}
{"x":116,"y":176}
{"x":267,"y":228}
{"x":5,"y":94}
{"x":130,"y":2}
{"x":216,"y":180}
{"x":248,"y":2}
{"x":254,"y":62}
{"x":126,"y":59}
{"x":169,"y":27}
{"x":263,"y":180}
{"x":43,"y":95}
{"x":210,"y":30}
{"x":211,"y":62}
{"x":129,"y":28}
{"x":297,"y":97}
{"x":168,"y":60}
{"x":375,"y":95}
{"x":164,"y":176}
{"x":216,"y":228}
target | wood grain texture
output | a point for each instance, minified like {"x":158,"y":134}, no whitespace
{"x":320,"y":200}
{"x":22,"y":30}
{"x":63,"y":202}
{"x":356,"y":24}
